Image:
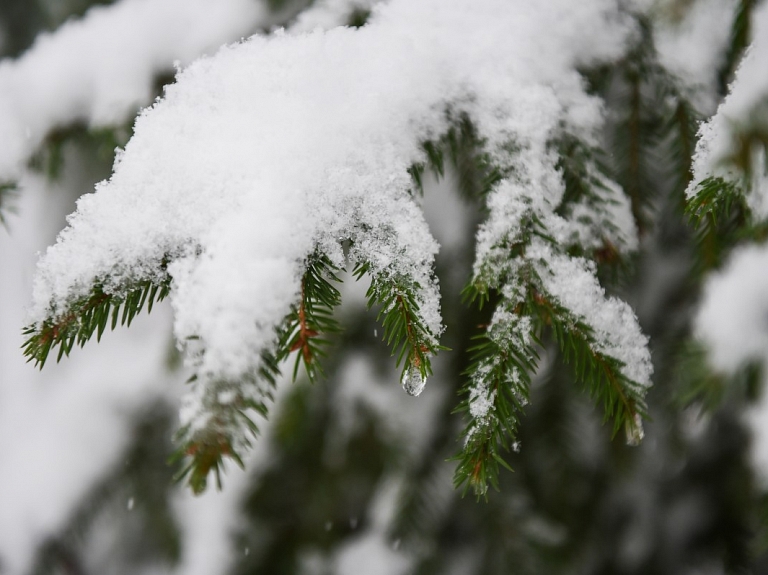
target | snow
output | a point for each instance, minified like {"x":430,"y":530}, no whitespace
{"x":61,"y":429}
{"x":372,"y":552}
{"x":744,"y":106}
{"x":300,"y":141}
{"x":692,"y":46}
{"x":327,"y":14}
{"x":733,"y":318}
{"x":573,"y":283}
{"x":101,"y":69}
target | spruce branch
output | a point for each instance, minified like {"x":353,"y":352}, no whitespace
{"x":465,"y":149}
{"x":496,"y":393}
{"x":684,"y":126}
{"x":229,"y":426}
{"x":722,"y":218}
{"x":312,"y":317}
{"x":405,"y":331}
{"x":650,"y":95}
{"x":697,"y":383}
{"x":499,"y":379}
{"x":621,"y":398}
{"x":206,"y":452}
{"x":590,"y":196}
{"x":229,"y":406}
{"x":91,"y":315}
{"x":739,"y":40}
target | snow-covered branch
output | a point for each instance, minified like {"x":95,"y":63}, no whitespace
{"x":285,"y":146}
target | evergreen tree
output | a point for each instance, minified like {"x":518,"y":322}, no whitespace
{"x":592,"y":336}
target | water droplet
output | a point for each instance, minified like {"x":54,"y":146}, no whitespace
{"x":634,"y":430}
{"x":413,"y":382}
{"x":328,"y":525}
{"x":246,"y":551}
{"x":396,"y":544}
{"x":130,"y":503}
{"x":353,"y":522}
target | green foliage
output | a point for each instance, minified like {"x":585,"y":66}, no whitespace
{"x":302,"y":331}
{"x":698,"y":384}
{"x":653,"y":137}
{"x":203,"y":451}
{"x":404,"y":330}
{"x":506,"y":356}
{"x":99,"y":142}
{"x":722,"y":219}
{"x":680,"y":134}
{"x":358,"y":17}
{"x":506,"y":375}
{"x":90,"y":315}
{"x":312,"y":318}
{"x":716,"y":200}
{"x":751,"y":143}
{"x":739,"y":40}
{"x":464,"y":148}
{"x":638,"y":78}
{"x":586,"y":176}
{"x":503,"y":366}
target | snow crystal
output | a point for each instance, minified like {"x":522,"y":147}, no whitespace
{"x":481,"y":399}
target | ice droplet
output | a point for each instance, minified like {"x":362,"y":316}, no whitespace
{"x":634,"y":430}
{"x":413,"y":382}
{"x":130,"y":503}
